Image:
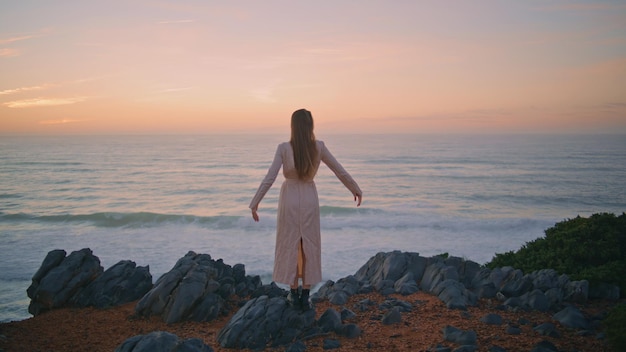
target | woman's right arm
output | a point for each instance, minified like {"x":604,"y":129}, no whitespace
{"x":267,"y":183}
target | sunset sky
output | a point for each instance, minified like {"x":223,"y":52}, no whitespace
{"x":156,"y":66}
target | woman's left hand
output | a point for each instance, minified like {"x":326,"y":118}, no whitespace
{"x":255,"y":216}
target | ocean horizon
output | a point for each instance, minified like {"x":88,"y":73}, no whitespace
{"x":153,"y":198}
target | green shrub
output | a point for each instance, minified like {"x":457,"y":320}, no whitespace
{"x":615,"y":327}
{"x":591,"y":248}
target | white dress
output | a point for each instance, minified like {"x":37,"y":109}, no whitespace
{"x":298,"y":218}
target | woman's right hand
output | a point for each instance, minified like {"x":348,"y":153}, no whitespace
{"x":255,"y":216}
{"x":357,"y":198}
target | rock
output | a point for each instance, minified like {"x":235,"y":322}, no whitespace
{"x":392,"y":316}
{"x":196,"y":289}
{"x":495,"y":348}
{"x":572,"y":317}
{"x":161,"y":341}
{"x":435,"y":274}
{"x":330,"y":344}
{"x":338,"y":297}
{"x":391,"y":303}
{"x":122,"y":283}
{"x":516,"y":284}
{"x":577,"y":291}
{"x":60,"y":279}
{"x":330,"y":320}
{"x":297,"y":346}
{"x":262,"y":321}
{"x":492,"y":319}
{"x":270,"y":290}
{"x":547,"y":329}
{"x":513,"y":330}
{"x":544,"y":346}
{"x":347,"y":314}
{"x":466,"y":348}
{"x":454,"y":294}
{"x":458,"y":336}
{"x":406,"y":285}
{"x":349,"y":331}
{"x":536,"y":300}
{"x":482,"y":284}
{"x":545,"y":279}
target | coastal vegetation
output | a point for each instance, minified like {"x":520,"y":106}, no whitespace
{"x":592,"y":249}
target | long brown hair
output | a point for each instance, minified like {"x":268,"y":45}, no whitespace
{"x":303,"y":143}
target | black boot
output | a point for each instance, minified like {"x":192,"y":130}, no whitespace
{"x":304,"y":300}
{"x":294,"y":298}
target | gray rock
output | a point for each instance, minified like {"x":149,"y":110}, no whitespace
{"x":547,"y":329}
{"x":122,"y":283}
{"x":555,"y":296}
{"x":338,"y":297}
{"x":262,"y":321}
{"x":572,"y":317}
{"x":516,"y":284}
{"x":492,"y":319}
{"x":330,"y":320}
{"x":466,"y":348}
{"x":195,"y":289}
{"x":544,"y":346}
{"x":435,"y":274}
{"x":406,"y":285}
{"x":349,"y":331}
{"x":59,"y":280}
{"x":577,"y":291}
{"x":297,"y":346}
{"x":458,"y":336}
{"x":482,"y":284}
{"x":161,"y":341}
{"x":391,"y":303}
{"x":330,"y":344}
{"x":392,"y":316}
{"x":545,"y":279}
{"x":536,"y":300}
{"x":347,"y":314}
{"x":454,"y":294}
{"x":513,"y":330}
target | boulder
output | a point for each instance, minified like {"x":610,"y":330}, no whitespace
{"x":266,"y":321}
{"x":197,"y":288}
{"x":122,"y":283}
{"x":459,"y":336}
{"x":61,"y":278}
{"x":572,"y":317}
{"x":161,"y":341}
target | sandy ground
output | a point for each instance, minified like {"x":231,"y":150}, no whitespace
{"x":92,"y":329}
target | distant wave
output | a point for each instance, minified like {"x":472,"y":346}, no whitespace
{"x":332,"y":218}
{"x":116,"y":219}
{"x":150,"y":219}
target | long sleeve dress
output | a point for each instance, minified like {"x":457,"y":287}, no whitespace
{"x":298,"y":218}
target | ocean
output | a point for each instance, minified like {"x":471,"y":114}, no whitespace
{"x":151,"y":199}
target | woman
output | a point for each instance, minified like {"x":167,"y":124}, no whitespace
{"x":298,"y":244}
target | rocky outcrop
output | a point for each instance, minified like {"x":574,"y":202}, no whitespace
{"x":459,"y":283}
{"x":78,"y":280}
{"x":60,"y":278}
{"x":197,"y":288}
{"x":122,"y":283}
{"x":271,"y":321}
{"x":161,"y":341}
